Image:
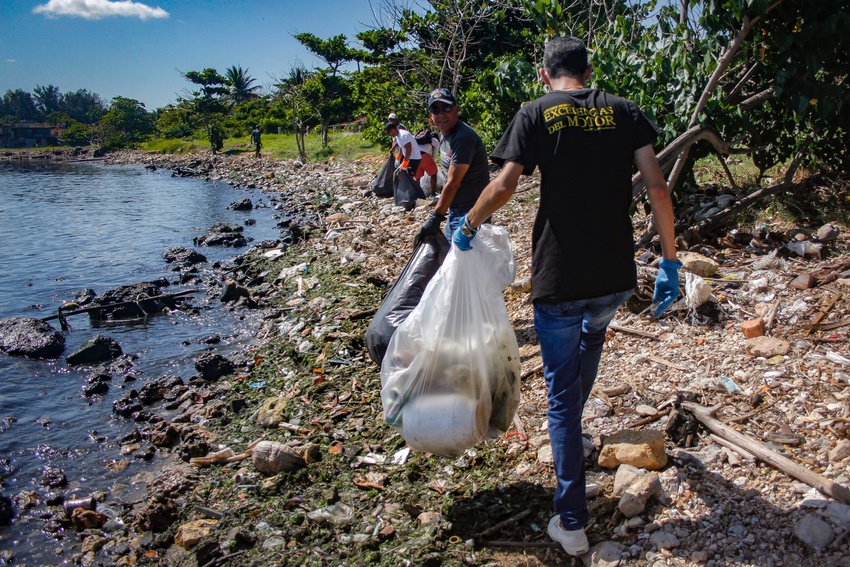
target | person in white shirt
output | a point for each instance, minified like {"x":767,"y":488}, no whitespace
{"x":408,"y":148}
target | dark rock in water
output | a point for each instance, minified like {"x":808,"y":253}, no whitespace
{"x":85,"y":297}
{"x":6,"y":510}
{"x":250,"y":222}
{"x":183,"y":256}
{"x":97,"y":349}
{"x":133,"y":437}
{"x":95,"y":389}
{"x":127,"y":405}
{"x":25,"y":336}
{"x":213,"y":366}
{"x":133,"y":301}
{"x":233,"y":291}
{"x":222,"y":234}
{"x":155,"y":391}
{"x":52,"y":477}
{"x":243,"y":204}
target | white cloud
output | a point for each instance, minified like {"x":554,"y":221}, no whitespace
{"x":11,"y":61}
{"x":97,"y":9}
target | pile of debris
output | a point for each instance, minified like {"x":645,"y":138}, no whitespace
{"x":716,"y":435}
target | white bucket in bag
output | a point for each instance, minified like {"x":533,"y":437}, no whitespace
{"x":444,"y":424}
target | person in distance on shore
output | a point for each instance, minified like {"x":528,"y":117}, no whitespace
{"x":255,"y":139}
{"x":585,"y":142}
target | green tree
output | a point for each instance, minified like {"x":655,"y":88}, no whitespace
{"x":329,"y":95}
{"x":333,"y":51}
{"x":174,"y":120}
{"x":83,"y":106}
{"x":290,"y":97}
{"x":208,"y":102}
{"x":125,"y":123}
{"x":47,"y":99}
{"x":19,"y":105}
{"x":78,"y":134}
{"x":240,"y":84}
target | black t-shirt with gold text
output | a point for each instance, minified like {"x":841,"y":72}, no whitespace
{"x":583,"y":141}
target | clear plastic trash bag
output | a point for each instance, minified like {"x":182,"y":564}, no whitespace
{"x":451,"y":374}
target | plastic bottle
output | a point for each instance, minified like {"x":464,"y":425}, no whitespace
{"x":729,"y":385}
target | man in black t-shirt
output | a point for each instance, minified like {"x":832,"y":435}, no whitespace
{"x":464,"y":160}
{"x":585,"y":143}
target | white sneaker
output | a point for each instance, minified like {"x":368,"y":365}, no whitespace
{"x":574,"y":542}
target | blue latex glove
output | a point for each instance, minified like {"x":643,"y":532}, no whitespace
{"x":666,"y":285}
{"x":463,"y":235}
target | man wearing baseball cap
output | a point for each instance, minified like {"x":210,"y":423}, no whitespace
{"x":464,"y":160}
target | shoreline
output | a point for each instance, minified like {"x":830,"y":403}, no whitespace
{"x":310,"y":382}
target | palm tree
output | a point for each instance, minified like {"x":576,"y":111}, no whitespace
{"x":239,"y":83}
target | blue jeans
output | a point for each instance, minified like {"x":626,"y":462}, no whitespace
{"x":453,"y":218}
{"x":571,"y":336}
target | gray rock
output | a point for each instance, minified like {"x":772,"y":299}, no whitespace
{"x":213,"y":366}
{"x":828,"y":233}
{"x":638,"y":493}
{"x":34,"y":338}
{"x":664,"y":540}
{"x":183,"y":256}
{"x":840,"y":452}
{"x":99,"y":348}
{"x":767,"y":347}
{"x":606,"y":554}
{"x":814,"y":532}
{"x":243,"y":204}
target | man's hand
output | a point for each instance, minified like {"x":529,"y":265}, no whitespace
{"x":666,"y":285}
{"x":429,"y":227}
{"x":462,"y":237}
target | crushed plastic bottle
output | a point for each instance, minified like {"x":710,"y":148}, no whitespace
{"x":729,"y":385}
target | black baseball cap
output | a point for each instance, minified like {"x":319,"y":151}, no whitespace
{"x":441,"y":95}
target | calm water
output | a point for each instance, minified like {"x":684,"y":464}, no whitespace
{"x":65,"y":228}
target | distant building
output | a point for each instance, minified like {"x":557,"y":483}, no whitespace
{"x":29,"y":135}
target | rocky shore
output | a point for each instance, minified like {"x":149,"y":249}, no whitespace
{"x":282,"y":456}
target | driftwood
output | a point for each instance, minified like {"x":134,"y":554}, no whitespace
{"x":822,"y":313}
{"x":724,"y":443}
{"x":631,"y":331}
{"x":552,"y":544}
{"x":531,"y":372}
{"x":707,"y":417}
{"x":503,"y":524}
{"x":63,"y":313}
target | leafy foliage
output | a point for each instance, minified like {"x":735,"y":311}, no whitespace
{"x":127,"y":122}
{"x":240,"y":85}
{"x":209,"y":102}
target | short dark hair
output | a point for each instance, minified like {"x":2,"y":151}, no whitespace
{"x":390,"y":126}
{"x":565,"y":55}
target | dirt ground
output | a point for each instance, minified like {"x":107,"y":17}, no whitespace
{"x":720,"y":505}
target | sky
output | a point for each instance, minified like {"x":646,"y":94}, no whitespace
{"x":137,"y":49}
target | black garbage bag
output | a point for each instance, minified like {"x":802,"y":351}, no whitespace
{"x":407,"y":190}
{"x":382,"y":186}
{"x":405,"y":293}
